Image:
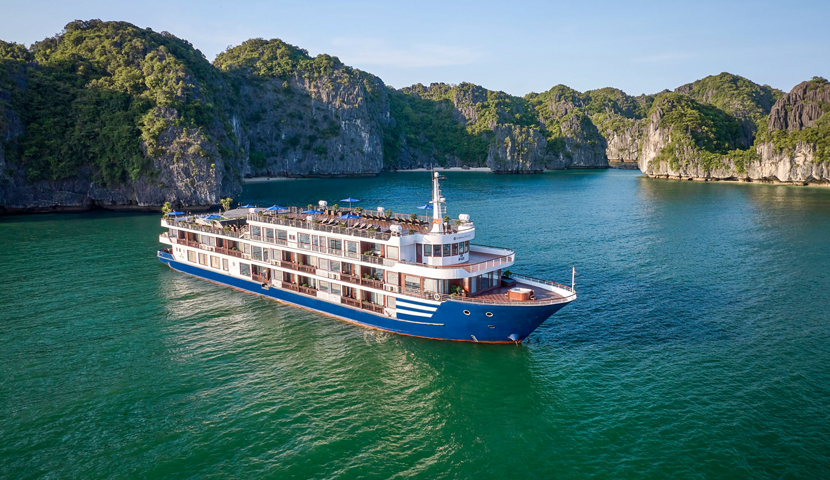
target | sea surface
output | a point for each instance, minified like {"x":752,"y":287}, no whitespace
{"x":699,"y":346}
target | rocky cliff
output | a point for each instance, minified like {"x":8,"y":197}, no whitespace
{"x":305,"y":116}
{"x":792,"y":145}
{"x":109,"y":114}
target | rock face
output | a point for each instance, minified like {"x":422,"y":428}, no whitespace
{"x":800,"y":108}
{"x":791,"y":151}
{"x":109,"y":114}
{"x":304,"y":116}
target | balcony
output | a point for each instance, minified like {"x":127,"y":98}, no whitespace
{"x":229,"y":252}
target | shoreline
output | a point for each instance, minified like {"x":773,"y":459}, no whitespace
{"x":746,"y":181}
{"x":446,"y":169}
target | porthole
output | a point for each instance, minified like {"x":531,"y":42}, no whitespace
{"x":491,"y":326}
{"x":489,"y":314}
{"x":466,"y":312}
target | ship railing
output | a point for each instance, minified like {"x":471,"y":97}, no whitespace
{"x":307,"y":290}
{"x":204,"y":228}
{"x":291,"y":286}
{"x":229,"y":252}
{"x":189,"y":243}
{"x":469,"y":267}
{"x":539,"y":280}
{"x":372,"y":307}
{"x":350,"y":301}
{"x":259,"y":278}
{"x":289,"y":222}
{"x":442,"y":297}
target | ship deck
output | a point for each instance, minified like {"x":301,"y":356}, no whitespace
{"x":500,"y":294}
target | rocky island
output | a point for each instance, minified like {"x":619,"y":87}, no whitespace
{"x":107,"y":114}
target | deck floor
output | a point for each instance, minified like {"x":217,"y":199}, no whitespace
{"x":500,"y":294}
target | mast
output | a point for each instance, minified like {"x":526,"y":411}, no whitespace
{"x":437,"y":205}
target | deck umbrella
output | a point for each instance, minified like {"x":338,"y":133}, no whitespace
{"x":350,"y":200}
{"x":174,"y":213}
{"x":348,"y":216}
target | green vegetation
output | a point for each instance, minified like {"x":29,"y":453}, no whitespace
{"x":703,"y":131}
{"x":99,"y":90}
{"x":734,"y":95}
{"x":428,"y":125}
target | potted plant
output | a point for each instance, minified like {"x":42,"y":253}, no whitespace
{"x":388,"y":213}
{"x":413,"y":216}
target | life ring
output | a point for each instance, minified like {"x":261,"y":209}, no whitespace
{"x":437,"y":296}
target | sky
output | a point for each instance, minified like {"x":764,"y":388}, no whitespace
{"x":514,"y":46}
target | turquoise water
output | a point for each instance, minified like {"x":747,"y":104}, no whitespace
{"x":698,"y":346}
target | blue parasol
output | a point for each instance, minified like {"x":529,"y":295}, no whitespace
{"x":274,"y":208}
{"x":350,"y":200}
{"x":348,"y":216}
{"x":425,"y":207}
{"x":174,"y":213}
{"x":212,"y":216}
{"x":248,"y":205}
{"x":311,"y":211}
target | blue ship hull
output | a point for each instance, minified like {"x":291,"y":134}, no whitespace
{"x":446,"y":321}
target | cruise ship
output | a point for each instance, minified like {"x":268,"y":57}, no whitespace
{"x":404,"y":273}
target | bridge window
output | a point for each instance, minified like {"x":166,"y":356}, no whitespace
{"x":447,"y":250}
{"x":454,"y":249}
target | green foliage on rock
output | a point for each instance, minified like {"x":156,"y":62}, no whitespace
{"x":425,"y":121}
{"x":99,"y":92}
{"x":734,"y":95}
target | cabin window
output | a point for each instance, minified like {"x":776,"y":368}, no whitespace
{"x":172,"y":233}
{"x":392,"y":252}
{"x":245,"y":269}
{"x":412,"y":283}
{"x":282,"y":234}
{"x":447,"y":250}
{"x":191,"y":256}
{"x":225,"y":264}
{"x":351,"y":247}
{"x":335,"y":244}
{"x":269,"y":235}
{"x":214,"y":261}
{"x":256,"y":230}
{"x":335,"y":289}
{"x":246,"y":247}
{"x":454,"y":249}
{"x":323,"y":264}
{"x":257,"y":254}
{"x":335,"y":266}
{"x":324,"y":286}
{"x":467,"y":246}
{"x":430,"y":285}
{"x":203,"y":259}
{"x":392,"y":278}
{"x":264,"y":254}
{"x":305,"y":238}
{"x":376,"y":298}
{"x":427,"y":250}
